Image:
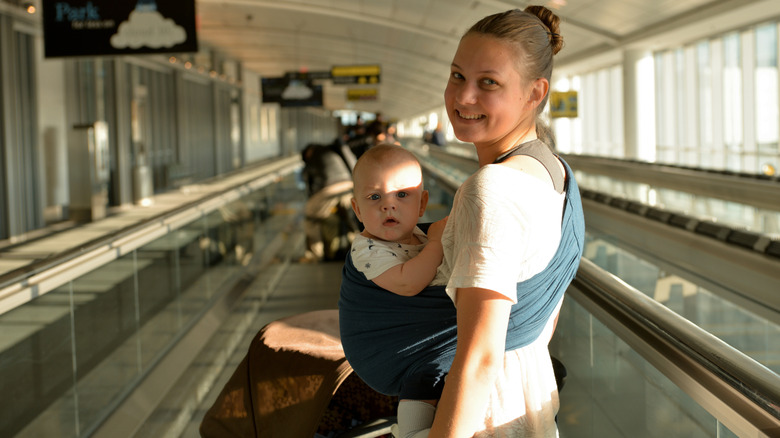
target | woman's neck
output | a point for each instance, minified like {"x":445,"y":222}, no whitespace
{"x":488,"y":153}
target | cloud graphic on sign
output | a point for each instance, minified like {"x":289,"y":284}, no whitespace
{"x":297,"y":91}
{"x":150,"y":29}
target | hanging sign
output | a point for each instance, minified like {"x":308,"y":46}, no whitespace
{"x":563,"y":104}
{"x":291,"y":92}
{"x":356,"y":74}
{"x":118,"y":27}
{"x":362,"y":94}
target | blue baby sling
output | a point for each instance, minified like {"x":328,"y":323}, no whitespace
{"x":405,"y":345}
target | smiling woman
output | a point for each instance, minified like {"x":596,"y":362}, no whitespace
{"x":515,"y":234}
{"x":510,"y":248}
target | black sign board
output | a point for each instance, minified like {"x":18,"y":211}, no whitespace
{"x":291,"y":92}
{"x":307,"y":75}
{"x":118,"y":27}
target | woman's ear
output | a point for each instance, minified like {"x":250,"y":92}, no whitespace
{"x":539,"y":89}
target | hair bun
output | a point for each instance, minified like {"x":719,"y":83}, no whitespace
{"x":551,"y":22}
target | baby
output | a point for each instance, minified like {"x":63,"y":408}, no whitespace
{"x":394,"y":253}
{"x":389,"y":199}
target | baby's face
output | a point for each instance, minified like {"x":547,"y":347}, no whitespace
{"x":389,"y":198}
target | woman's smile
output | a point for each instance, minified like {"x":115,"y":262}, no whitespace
{"x":466,"y":116}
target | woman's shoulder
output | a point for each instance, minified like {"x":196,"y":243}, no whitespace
{"x":500,"y":180}
{"x":486,"y":176}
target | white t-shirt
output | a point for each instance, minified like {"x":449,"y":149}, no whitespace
{"x":504,"y":228}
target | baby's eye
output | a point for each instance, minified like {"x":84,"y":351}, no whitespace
{"x":373,"y":196}
{"x":402,"y":194}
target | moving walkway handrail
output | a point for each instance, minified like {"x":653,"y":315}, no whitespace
{"x":750,"y":189}
{"x":37,"y":278}
{"x":736,"y":389}
{"x":661,"y":166}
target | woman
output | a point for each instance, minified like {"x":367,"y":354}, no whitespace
{"x":514,"y":237}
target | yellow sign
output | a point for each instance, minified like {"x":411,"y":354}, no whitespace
{"x":563,"y":104}
{"x":356,"y":74}
{"x":362,"y":94}
{"x":355,"y":70}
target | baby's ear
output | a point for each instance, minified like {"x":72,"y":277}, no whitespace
{"x":356,"y":209}
{"x":423,"y":202}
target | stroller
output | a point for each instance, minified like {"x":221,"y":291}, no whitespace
{"x":295,"y":382}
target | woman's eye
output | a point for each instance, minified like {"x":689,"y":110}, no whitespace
{"x":373,"y":197}
{"x":489,"y":82}
{"x":456,"y":75}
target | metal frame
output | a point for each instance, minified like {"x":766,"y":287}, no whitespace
{"x":722,"y":267}
{"x":758,"y":192}
{"x":735,"y":389}
{"x":22,"y":200}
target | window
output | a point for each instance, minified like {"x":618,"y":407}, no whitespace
{"x":766,"y":102}
{"x":666,"y":111}
{"x":706,"y":115}
{"x":732,"y":101}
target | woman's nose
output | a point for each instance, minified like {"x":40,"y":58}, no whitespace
{"x":465,"y":94}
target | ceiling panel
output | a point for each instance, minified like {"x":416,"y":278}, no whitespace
{"x":413,"y":40}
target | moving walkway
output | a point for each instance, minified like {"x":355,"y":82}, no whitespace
{"x":106,"y":333}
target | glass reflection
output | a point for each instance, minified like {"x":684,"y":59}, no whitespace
{"x":68,"y":357}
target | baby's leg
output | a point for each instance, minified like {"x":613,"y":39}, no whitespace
{"x":415,"y":418}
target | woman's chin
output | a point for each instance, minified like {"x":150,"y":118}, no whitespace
{"x":466,"y":136}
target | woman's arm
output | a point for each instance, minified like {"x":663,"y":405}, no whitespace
{"x":483,"y":316}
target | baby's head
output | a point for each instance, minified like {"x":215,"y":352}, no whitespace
{"x":388,"y":196}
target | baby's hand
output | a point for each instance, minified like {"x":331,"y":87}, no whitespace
{"x":435,"y":229}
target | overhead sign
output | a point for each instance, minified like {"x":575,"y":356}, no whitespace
{"x":356,"y":74}
{"x":118,"y":27}
{"x":307,"y":75}
{"x":362,"y":94}
{"x":291,"y":92}
{"x":563,"y":104}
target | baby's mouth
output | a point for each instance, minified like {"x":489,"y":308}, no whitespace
{"x":390,"y":221}
{"x":469,"y":116}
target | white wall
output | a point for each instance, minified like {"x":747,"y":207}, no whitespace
{"x":261,"y":122}
{"x":52,"y":128}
